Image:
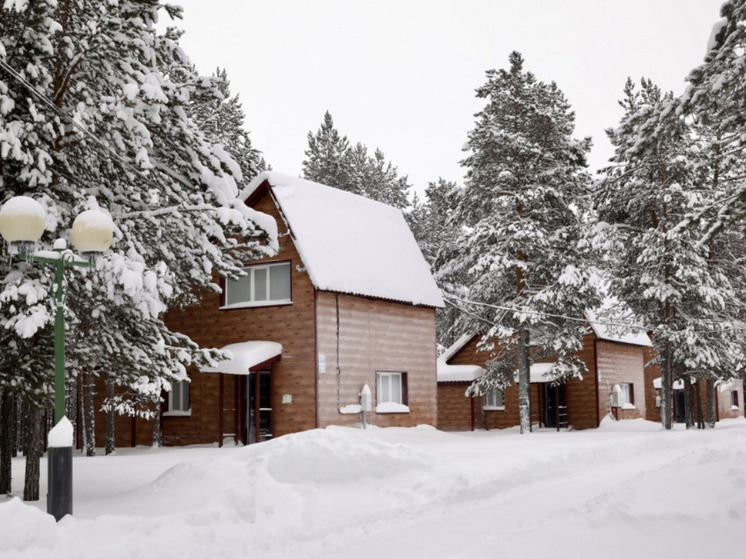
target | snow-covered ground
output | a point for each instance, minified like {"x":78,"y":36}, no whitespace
{"x":625,"y":490}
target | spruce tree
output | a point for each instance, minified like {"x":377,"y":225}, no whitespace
{"x":523,"y":241}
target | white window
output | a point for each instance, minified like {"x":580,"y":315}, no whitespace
{"x":178,"y":398}
{"x":628,"y":394}
{"x":391,"y":392}
{"x":263,"y":284}
{"x":493,"y":400}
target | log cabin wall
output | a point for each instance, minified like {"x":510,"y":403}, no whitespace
{"x":371,"y":336}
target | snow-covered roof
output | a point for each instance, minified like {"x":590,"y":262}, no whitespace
{"x":351,"y":244}
{"x":677,"y":384}
{"x":455,"y":347}
{"x":606,"y":329}
{"x":245,"y":356}
{"x":458,"y":373}
{"x":538,"y":370}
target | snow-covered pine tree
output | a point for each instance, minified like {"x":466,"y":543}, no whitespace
{"x":331,"y":160}
{"x":717,"y":100}
{"x":94,"y":112}
{"x":663,"y":272}
{"x":326,"y":156}
{"x":523,"y":241}
{"x":221,"y":119}
{"x":434,"y":227}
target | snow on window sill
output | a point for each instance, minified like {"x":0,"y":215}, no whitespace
{"x":493,"y":408}
{"x":249,"y":305}
{"x":177,"y":413}
{"x":350,"y":409}
{"x":735,"y":408}
{"x":392,"y":407}
{"x":629,"y":407}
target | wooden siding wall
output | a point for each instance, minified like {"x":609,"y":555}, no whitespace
{"x":374,"y":335}
{"x":619,"y":363}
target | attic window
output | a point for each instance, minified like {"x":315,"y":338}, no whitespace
{"x":263,"y":285}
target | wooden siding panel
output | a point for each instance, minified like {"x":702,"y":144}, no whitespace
{"x":619,"y":363}
{"x":370,"y":336}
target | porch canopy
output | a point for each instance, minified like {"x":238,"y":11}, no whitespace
{"x":246,"y":356}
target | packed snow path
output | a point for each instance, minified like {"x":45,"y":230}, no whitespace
{"x":625,"y":488}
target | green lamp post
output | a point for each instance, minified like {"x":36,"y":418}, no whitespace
{"x":22,"y":224}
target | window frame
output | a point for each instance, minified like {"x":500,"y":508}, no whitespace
{"x":403,"y":390}
{"x":251,"y":272}
{"x":184,"y":388}
{"x":628,"y":392}
{"x":490,"y":400}
{"x":734,"y":400}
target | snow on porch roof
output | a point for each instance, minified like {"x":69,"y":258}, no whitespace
{"x":458,"y":373}
{"x":351,"y":244}
{"x":245,"y":356}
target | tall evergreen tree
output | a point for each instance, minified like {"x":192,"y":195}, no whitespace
{"x":331,"y":160}
{"x":663,"y":272}
{"x":523,"y":243}
{"x":94,"y":106}
{"x":434,"y":227}
{"x":222,"y":120}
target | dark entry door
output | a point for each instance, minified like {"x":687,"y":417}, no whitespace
{"x":679,"y":407}
{"x":555,"y":408}
{"x":259,"y":403}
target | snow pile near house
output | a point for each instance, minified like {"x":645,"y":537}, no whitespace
{"x":625,"y":488}
{"x":351,"y":244}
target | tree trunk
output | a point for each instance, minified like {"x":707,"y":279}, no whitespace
{"x":667,"y":388}
{"x":90,"y":415}
{"x":157,"y":428}
{"x":110,"y":427}
{"x":524,"y":379}
{"x":711,"y":403}
{"x":688,"y":404}
{"x":700,"y":413}
{"x":6,"y":442}
{"x":33,"y":451}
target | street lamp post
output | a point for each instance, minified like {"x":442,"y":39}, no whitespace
{"x":22,"y":223}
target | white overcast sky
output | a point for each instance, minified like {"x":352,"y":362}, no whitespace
{"x":400,"y":74}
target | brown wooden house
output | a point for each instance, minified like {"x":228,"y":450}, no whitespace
{"x":614,"y":384}
{"x":728,"y":395}
{"x":347,"y":301}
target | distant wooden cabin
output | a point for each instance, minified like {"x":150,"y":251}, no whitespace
{"x":614,"y":384}
{"x":347,"y":301}
{"x":728,"y":395}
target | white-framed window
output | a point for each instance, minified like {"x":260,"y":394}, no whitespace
{"x":263,"y":285}
{"x":494,"y":400}
{"x":178,"y":402}
{"x":391,"y":392}
{"x":628,"y":394}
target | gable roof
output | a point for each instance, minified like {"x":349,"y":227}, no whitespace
{"x":351,"y":244}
